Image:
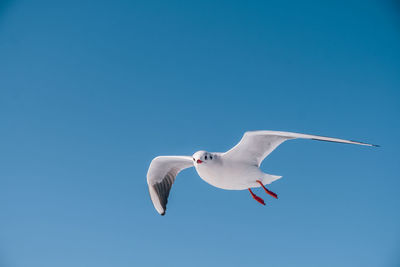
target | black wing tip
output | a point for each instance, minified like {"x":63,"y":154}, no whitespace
{"x":163,"y":213}
{"x":367,"y":144}
{"x":358,"y":142}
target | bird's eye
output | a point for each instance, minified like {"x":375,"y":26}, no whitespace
{"x":194,"y":159}
{"x":210,"y":157}
{"x":205,"y":157}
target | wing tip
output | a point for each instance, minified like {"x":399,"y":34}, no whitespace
{"x":365,"y":144}
{"x":347,"y":142}
{"x":161,"y":211}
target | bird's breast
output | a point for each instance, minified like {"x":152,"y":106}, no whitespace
{"x":227,"y":176}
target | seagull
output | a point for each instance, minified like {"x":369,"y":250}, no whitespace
{"x":236,"y":169}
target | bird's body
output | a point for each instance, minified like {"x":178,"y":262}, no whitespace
{"x":236,"y":169}
{"x":229,"y":174}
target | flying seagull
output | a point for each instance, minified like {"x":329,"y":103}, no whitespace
{"x":236,"y":169}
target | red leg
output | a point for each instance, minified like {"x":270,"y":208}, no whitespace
{"x":259,"y":199}
{"x":272,"y":194}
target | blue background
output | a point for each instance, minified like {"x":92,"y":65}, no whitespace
{"x":91,"y":91}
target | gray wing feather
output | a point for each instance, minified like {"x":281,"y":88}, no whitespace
{"x":163,"y":188}
{"x":161,"y":176}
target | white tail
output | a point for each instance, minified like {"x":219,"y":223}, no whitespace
{"x":269,"y":178}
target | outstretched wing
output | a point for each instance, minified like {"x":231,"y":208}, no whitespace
{"x":161,"y":175}
{"x":256,"y":145}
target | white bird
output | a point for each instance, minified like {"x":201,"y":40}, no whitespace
{"x":236,"y":169}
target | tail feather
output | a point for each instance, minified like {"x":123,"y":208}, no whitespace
{"x":269,"y":178}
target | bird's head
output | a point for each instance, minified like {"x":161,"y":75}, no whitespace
{"x":201,"y":157}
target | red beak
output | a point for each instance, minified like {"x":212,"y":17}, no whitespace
{"x":199,"y":161}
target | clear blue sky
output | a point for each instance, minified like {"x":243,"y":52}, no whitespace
{"x":91,"y":91}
